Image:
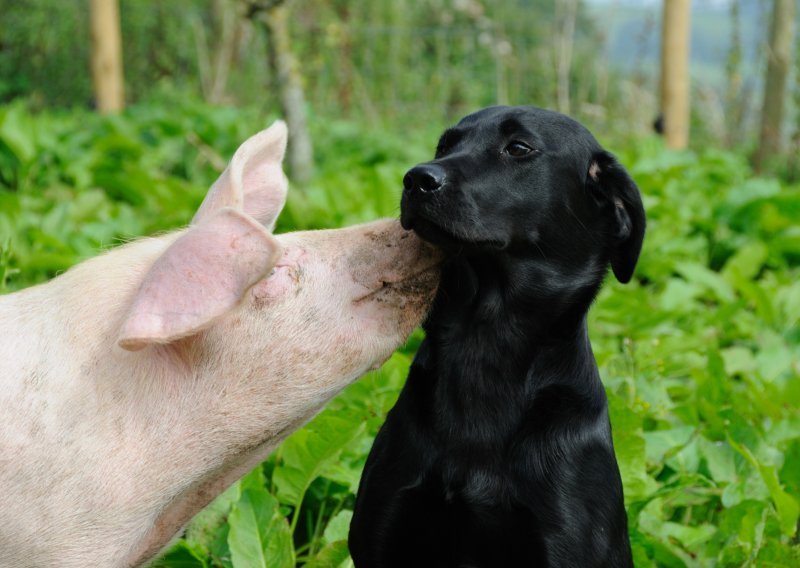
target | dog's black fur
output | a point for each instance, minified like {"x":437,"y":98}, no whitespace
{"x":498,"y":452}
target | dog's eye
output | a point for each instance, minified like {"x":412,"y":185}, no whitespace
{"x":518,"y":149}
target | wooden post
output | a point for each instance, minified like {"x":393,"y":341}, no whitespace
{"x":778,"y":58}
{"x":566,"y":15}
{"x":107,"y":56}
{"x":300,"y":153}
{"x":675,"y":72}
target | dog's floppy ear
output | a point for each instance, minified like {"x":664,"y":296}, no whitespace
{"x":610,"y":184}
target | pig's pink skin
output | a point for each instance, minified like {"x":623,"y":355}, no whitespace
{"x":105,"y":453}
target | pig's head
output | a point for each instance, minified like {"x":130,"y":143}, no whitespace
{"x":302,"y":307}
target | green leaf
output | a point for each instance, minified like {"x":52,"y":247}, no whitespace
{"x":679,"y":295}
{"x":254,"y":480}
{"x":17,"y":132}
{"x":787,"y":507}
{"x":743,"y":529}
{"x":719,"y":458}
{"x":698,"y":274}
{"x":182,"y":555}
{"x":789,"y":301}
{"x":259,"y":535}
{"x":738,"y":360}
{"x":691,"y":537}
{"x":307,"y":451}
{"x":338,"y":527}
{"x":664,"y":551}
{"x":746,"y":263}
{"x":629,"y":446}
{"x":659,"y":442}
{"x":330,"y":556}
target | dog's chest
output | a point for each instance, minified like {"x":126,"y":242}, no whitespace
{"x":477,"y":463}
{"x":483,"y":486}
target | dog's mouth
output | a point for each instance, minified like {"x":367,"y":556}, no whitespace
{"x":446,"y":239}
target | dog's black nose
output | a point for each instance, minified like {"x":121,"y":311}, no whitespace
{"x":425,"y":178}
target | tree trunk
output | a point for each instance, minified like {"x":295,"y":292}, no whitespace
{"x":107,"y":56}
{"x":778,"y":58}
{"x":216,"y":56}
{"x":566,"y":14}
{"x":734,"y":107}
{"x":675,"y":72}
{"x":300,"y":151}
{"x":793,"y":167}
{"x":344,"y":67}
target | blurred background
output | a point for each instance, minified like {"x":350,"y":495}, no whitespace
{"x":117,"y":115}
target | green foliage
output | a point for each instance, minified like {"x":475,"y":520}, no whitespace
{"x":354,"y":57}
{"x":699,"y":354}
{"x":45,"y":49}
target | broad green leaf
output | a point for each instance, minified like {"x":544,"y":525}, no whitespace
{"x":789,"y":300}
{"x":679,"y":295}
{"x":17,"y":132}
{"x":746,"y":263}
{"x":182,"y":555}
{"x":777,"y":555}
{"x":787,"y":507}
{"x":629,"y":446}
{"x":684,"y":458}
{"x":753,"y":189}
{"x":690,"y":537}
{"x":338,"y":527}
{"x":259,"y":535}
{"x":744,"y":525}
{"x":748,"y":487}
{"x":738,"y":360}
{"x":790,"y":471}
{"x":755,"y":294}
{"x":774,"y":356}
{"x":332,"y":555}
{"x":698,"y":274}
{"x":719,"y":458}
{"x":254,"y":480}
{"x":663,"y":550}
{"x":307,"y":451}
{"x":659,"y":442}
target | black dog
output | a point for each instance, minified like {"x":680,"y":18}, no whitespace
{"x":498,"y":452}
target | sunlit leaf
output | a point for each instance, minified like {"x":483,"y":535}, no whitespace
{"x":259,"y":535}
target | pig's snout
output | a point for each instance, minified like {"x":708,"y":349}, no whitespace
{"x":391,"y":257}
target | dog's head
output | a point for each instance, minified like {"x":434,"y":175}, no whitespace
{"x":528,"y":182}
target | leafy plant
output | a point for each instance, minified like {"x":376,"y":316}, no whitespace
{"x":700,"y":354}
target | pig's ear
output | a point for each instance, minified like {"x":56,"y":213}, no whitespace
{"x":200,"y":277}
{"x":253,"y":182}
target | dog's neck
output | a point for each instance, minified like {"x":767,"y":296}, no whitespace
{"x":544,"y":302}
{"x":495,"y":344}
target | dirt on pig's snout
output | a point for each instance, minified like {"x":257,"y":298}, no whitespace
{"x":394,"y":263}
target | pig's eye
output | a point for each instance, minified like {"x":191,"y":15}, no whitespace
{"x":517,"y":149}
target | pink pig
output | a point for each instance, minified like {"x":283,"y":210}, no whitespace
{"x":140,"y":384}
